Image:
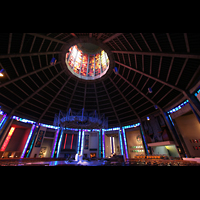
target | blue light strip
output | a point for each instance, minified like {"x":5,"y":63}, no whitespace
{"x":28,"y":140}
{"x":131,"y":126}
{"x":145,"y":144}
{"x":171,"y":119}
{"x":103,"y":142}
{"x":54,"y":146}
{"x":71,"y":129}
{"x":23,"y":120}
{"x":58,"y":151}
{"x":196,"y":93}
{"x":125,"y":144}
{"x":120,"y":140}
{"x":79,"y":138}
{"x":48,"y":126}
{"x":173,"y":110}
{"x":3,"y":120}
{"x":32,"y":142}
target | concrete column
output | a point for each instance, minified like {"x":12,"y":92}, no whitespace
{"x":5,"y":129}
{"x":195,"y":104}
{"x":175,"y":135}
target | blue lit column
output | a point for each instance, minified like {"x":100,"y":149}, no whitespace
{"x":4,"y":128}
{"x":55,"y":142}
{"x":79,"y":140}
{"x":32,"y":141}
{"x":28,"y":140}
{"x":103,"y":142}
{"x":194,"y":103}
{"x":59,"y":143}
{"x":120,"y":142}
{"x":3,"y":120}
{"x":125,"y":143}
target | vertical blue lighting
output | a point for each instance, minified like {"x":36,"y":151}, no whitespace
{"x":28,"y":140}
{"x":103,"y":142}
{"x":58,"y":151}
{"x":120,"y":140}
{"x":125,"y":144}
{"x":54,"y":146}
{"x":145,"y":144}
{"x":32,"y":143}
{"x":82,"y":141}
{"x":79,"y":137}
{"x":171,"y":119}
{"x":3,"y":120}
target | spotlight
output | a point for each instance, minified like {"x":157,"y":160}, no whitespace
{"x":155,"y":106}
{"x":53,"y":61}
{"x":2,"y":72}
{"x":148,"y":118}
{"x":150,"y":90}
{"x":115,"y":70}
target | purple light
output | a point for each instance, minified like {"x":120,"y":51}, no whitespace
{"x":54,"y":145}
{"x":28,"y":140}
{"x":125,"y":144}
{"x":2,"y":120}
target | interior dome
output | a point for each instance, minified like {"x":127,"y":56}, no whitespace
{"x":154,"y":71}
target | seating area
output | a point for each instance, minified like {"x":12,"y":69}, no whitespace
{"x":25,"y":161}
{"x":158,"y":162}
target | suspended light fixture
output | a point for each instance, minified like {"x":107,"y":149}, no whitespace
{"x":148,"y":118}
{"x":2,"y":72}
{"x":155,"y":106}
{"x":115,"y":70}
{"x":53,"y":61}
{"x":150,"y":90}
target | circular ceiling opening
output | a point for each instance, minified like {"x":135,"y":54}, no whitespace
{"x":87,"y":61}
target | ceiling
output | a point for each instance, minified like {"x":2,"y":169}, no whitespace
{"x":169,"y":63}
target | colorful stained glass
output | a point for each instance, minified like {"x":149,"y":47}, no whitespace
{"x":84,"y":65}
{"x":97,"y":64}
{"x":72,"y":56}
{"x":103,"y":61}
{"x":87,"y":66}
{"x":91,"y":66}
{"x":78,"y":61}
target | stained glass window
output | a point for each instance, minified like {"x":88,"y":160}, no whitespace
{"x":86,"y":65}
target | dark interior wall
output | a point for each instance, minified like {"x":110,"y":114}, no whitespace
{"x":18,"y":139}
{"x":189,"y":128}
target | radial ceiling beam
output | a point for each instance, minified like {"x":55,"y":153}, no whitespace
{"x":99,"y":35}
{"x":125,"y":99}
{"x":14,"y":55}
{"x":137,"y":89}
{"x":111,"y":103}
{"x":25,"y":75}
{"x":47,"y":37}
{"x":95,"y":89}
{"x":112,"y":37}
{"x":149,"y":76}
{"x":54,"y":98}
{"x":68,"y":106}
{"x":178,"y":55}
{"x":84,"y":95}
{"x":25,"y":100}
